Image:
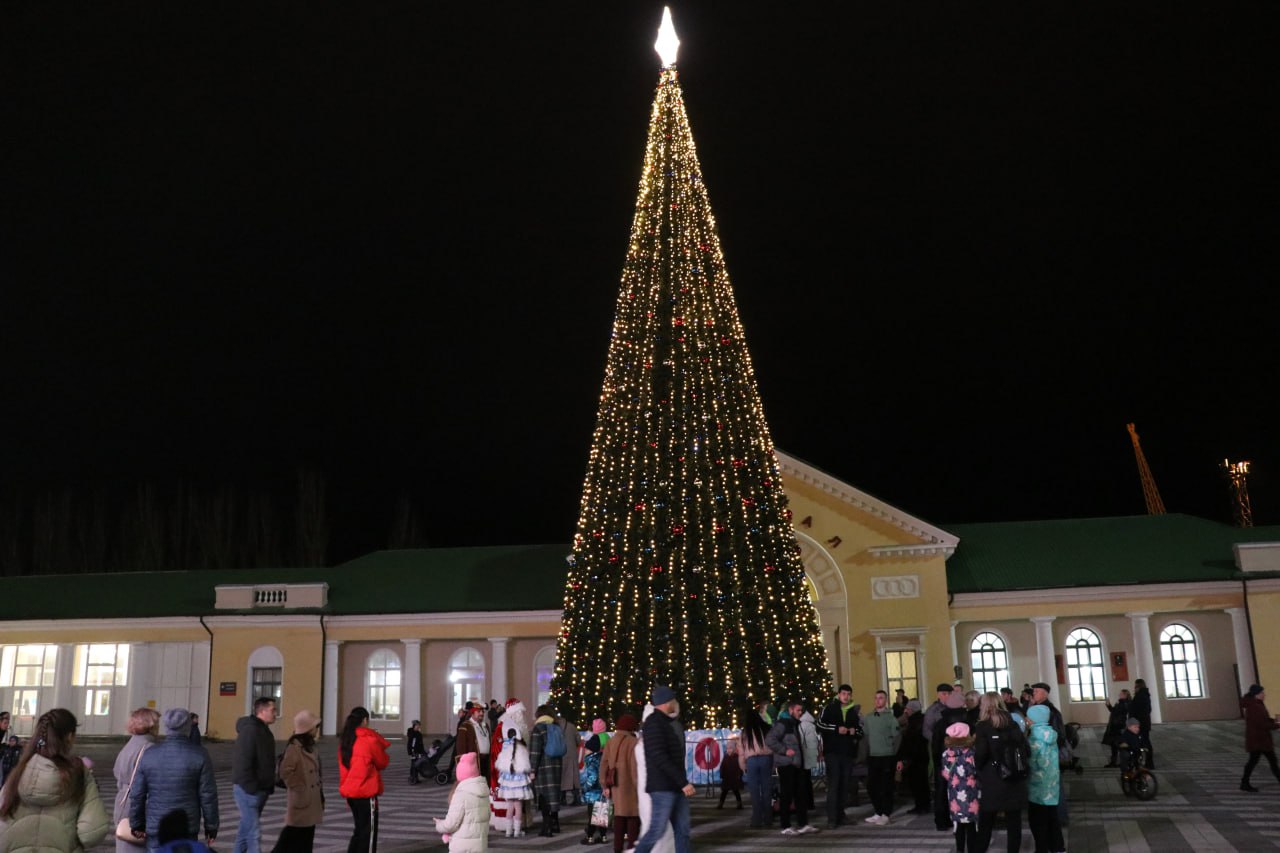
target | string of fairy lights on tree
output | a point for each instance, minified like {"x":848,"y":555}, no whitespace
{"x":685,"y":569}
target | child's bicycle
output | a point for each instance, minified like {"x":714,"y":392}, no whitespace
{"x":1135,"y":779}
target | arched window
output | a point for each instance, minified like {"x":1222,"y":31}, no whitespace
{"x":266,"y":677}
{"x":383,"y":693}
{"x":544,"y":669}
{"x":989,"y":662}
{"x":1085,"y":677}
{"x":1181,"y":657}
{"x":466,"y":674}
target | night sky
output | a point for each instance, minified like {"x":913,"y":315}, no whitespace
{"x":969,"y":242}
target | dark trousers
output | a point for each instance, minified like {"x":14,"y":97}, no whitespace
{"x":966,"y":837}
{"x":364,"y":812}
{"x":1044,"y":828}
{"x":916,"y":775}
{"x":760,"y":784}
{"x":1253,"y":762}
{"x":1145,"y":729}
{"x":295,"y":839}
{"x":1013,"y":825}
{"x":791,"y":792}
{"x":839,"y":775}
{"x":725,"y":792}
{"x":628,"y":826}
{"x":880,"y":782}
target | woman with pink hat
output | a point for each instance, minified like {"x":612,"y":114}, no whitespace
{"x":300,"y":772}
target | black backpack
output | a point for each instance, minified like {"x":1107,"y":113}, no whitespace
{"x":1015,"y":760}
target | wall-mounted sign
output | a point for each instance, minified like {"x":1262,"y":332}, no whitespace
{"x":226,"y":688}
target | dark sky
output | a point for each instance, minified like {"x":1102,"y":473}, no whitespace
{"x":969,"y":242}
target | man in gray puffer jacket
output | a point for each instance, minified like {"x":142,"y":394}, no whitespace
{"x":175,"y":774}
{"x":795,"y":785}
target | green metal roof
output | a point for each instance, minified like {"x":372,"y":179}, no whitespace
{"x":434,"y":580}
{"x":1095,"y":552}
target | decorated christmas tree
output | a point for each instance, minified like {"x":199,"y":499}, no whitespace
{"x":685,"y":570}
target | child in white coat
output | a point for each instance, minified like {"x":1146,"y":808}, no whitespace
{"x":466,"y":827}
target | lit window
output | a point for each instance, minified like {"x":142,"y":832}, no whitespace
{"x":1181,"y":657}
{"x":28,"y":666}
{"x":1085,"y":677}
{"x":466,"y":675}
{"x":544,"y":669}
{"x":101,"y":665}
{"x":900,"y":672}
{"x":383,"y":674}
{"x":989,"y":662}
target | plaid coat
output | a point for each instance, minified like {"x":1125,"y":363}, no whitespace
{"x":547,"y":770}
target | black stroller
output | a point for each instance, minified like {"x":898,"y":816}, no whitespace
{"x":430,"y":764}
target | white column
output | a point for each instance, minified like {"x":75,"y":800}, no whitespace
{"x":63,"y":674}
{"x":1044,"y":649}
{"x":955,"y":652}
{"x":498,"y":679}
{"x":1244,"y":649}
{"x":830,"y":641}
{"x":329,"y":702}
{"x":139,"y":675}
{"x":1146,"y":659}
{"x":411,"y":682}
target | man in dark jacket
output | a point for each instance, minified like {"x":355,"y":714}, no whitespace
{"x":665,"y":780}
{"x":1258,"y":725}
{"x":953,"y":711}
{"x":795,"y":784}
{"x":417,"y":750}
{"x":1140,"y":708}
{"x":174,"y":774}
{"x":253,"y":771}
{"x":840,"y":734}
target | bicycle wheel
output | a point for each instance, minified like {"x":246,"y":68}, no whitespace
{"x":1145,"y":785}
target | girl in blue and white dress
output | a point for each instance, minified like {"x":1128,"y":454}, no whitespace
{"x":514,"y":776}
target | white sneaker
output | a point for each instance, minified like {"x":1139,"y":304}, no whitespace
{"x":875,"y":818}
{"x":882,"y":820}
{"x":806,"y":829}
{"x":789,"y":831}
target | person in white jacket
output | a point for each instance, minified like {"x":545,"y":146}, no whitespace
{"x":466,"y":827}
{"x":668,"y":842}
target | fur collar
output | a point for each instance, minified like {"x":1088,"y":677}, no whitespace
{"x":959,"y":742}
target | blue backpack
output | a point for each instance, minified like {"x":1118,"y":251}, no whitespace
{"x":555,"y":741}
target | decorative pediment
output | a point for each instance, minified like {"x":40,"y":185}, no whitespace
{"x":933,"y":540}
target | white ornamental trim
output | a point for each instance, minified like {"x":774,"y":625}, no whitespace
{"x":898,"y":586}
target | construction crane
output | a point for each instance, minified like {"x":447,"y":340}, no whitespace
{"x":1237,"y":474}
{"x":1155,"y":505}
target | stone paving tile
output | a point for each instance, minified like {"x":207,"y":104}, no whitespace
{"x":1199,"y":808}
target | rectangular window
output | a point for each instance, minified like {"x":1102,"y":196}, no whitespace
{"x":900,"y":671}
{"x":101,"y":665}
{"x":28,"y":666}
{"x":267,"y":681}
{"x":97,"y":703}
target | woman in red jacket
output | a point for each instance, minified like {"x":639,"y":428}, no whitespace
{"x":362,"y":756}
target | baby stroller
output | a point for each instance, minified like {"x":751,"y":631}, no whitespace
{"x":429,"y":764}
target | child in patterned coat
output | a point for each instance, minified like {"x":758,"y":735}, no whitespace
{"x":592,"y":791}
{"x":961,"y":775}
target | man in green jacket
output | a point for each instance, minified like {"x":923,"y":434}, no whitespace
{"x":881,"y":728}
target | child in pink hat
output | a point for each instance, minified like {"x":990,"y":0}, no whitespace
{"x":963,"y":794}
{"x":466,"y":827}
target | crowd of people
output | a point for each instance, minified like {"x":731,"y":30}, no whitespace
{"x":969,"y":759}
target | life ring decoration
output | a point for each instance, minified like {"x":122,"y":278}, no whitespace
{"x":706,"y":754}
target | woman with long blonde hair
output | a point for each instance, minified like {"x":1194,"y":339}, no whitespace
{"x":1002,"y":791}
{"x":50,"y":799}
